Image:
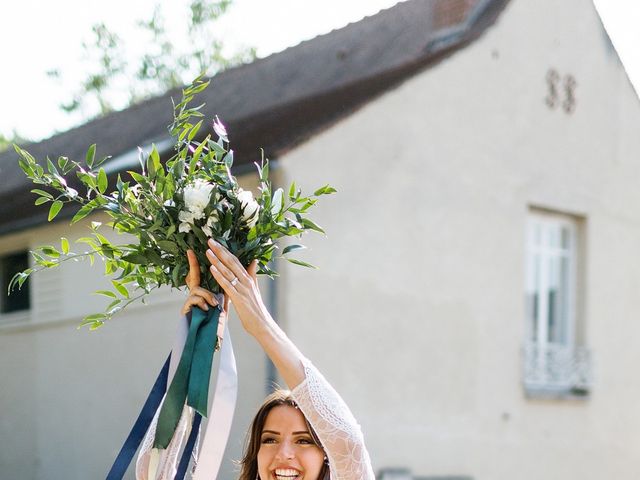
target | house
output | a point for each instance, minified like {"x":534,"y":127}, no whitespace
{"x":479,"y":278}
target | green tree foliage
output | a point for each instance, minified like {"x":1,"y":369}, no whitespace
{"x":115,"y":81}
{"x":6,"y":142}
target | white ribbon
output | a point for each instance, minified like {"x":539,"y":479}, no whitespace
{"x":220,"y":414}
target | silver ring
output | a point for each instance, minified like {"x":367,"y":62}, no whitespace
{"x":234,"y":281}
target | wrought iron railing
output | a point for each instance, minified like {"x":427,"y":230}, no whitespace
{"x":557,"y":368}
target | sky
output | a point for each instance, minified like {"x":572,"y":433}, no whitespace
{"x":33,"y":43}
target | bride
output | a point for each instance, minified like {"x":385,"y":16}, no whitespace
{"x":307,"y":433}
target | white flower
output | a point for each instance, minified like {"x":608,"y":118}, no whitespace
{"x":207,"y":227}
{"x":197,"y":196}
{"x":249,"y":206}
{"x":186,"y":221}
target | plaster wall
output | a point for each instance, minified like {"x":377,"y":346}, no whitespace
{"x":421,"y":280}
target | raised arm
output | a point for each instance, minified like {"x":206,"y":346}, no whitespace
{"x":333,"y":422}
{"x":256,"y":320}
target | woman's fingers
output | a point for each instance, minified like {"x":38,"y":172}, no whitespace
{"x":252,"y":270}
{"x":230,"y":262}
{"x":193,"y":277}
{"x":208,"y":296}
{"x":222,"y":279}
{"x":194,"y":301}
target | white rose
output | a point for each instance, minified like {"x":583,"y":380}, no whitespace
{"x":197,"y":196}
{"x":249,"y":207}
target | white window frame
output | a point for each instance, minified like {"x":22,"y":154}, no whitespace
{"x":547,"y":225}
{"x":554,"y":363}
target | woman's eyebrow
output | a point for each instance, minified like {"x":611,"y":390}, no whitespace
{"x":270,"y":431}
{"x":302,"y":432}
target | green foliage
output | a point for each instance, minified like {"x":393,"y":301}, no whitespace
{"x":169,"y":207}
{"x":6,"y":142}
{"x":161,"y":67}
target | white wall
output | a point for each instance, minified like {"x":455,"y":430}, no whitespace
{"x":421,"y":286}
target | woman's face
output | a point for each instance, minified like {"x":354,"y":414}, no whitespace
{"x":287,"y":451}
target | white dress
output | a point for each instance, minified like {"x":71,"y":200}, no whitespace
{"x":335,"y":425}
{"x":330,"y":417}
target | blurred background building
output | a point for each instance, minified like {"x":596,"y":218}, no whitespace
{"x":477,"y":300}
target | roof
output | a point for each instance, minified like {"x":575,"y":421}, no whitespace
{"x":278,"y":101}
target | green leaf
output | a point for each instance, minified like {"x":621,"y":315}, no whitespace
{"x":153,"y":163}
{"x":169,"y":246}
{"x":91,"y":155}
{"x":106,"y":293}
{"x":311,"y":225}
{"x":291,"y":248}
{"x":50,"y":251}
{"x":120,"y":288}
{"x":63,"y":162}
{"x":41,"y":200}
{"x":301,"y":263}
{"x":83,"y":212}
{"x":326,"y":190}
{"x":102,"y":181}
{"x":42,"y":193}
{"x":55,"y":209}
{"x":52,"y":168}
{"x":64,"y":245}
{"x":136,"y":258}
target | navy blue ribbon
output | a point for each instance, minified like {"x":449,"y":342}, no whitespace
{"x":141,"y":425}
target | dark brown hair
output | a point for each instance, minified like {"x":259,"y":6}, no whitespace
{"x":249,"y":462}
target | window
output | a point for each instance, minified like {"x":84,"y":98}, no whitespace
{"x":554,"y":361}
{"x":18,"y":299}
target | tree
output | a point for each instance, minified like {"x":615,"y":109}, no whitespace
{"x":6,"y":142}
{"x":116,"y":83}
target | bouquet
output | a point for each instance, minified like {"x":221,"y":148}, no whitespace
{"x":168,"y":208}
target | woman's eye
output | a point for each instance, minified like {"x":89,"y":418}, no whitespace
{"x":268,"y":440}
{"x":305,"y":441}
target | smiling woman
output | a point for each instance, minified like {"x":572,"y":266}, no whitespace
{"x":307,"y":433}
{"x":282,"y":444}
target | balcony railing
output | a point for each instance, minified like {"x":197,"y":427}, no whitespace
{"x":555,"y":368}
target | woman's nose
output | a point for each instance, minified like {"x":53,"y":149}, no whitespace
{"x":285,"y":451}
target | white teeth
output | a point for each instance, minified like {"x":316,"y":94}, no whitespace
{"x":286,"y":473}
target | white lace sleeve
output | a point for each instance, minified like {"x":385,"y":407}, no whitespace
{"x":335,"y":425}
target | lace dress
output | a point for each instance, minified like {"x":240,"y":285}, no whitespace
{"x":335,"y":425}
{"x":333,"y":422}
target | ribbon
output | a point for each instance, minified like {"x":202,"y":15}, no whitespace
{"x":141,"y":425}
{"x":222,"y":410}
{"x":191,"y":380}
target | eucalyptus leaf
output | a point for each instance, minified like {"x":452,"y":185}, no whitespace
{"x":54,"y":210}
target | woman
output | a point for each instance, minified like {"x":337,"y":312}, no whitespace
{"x":308,"y":433}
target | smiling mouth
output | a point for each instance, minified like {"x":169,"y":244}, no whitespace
{"x":286,"y":474}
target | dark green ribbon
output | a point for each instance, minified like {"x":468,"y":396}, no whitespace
{"x":191,"y":380}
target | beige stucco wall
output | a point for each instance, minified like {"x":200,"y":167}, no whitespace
{"x":69,"y":397}
{"x":421,"y":286}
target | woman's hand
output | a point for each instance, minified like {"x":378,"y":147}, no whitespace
{"x":240,"y":285}
{"x":198,"y":296}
